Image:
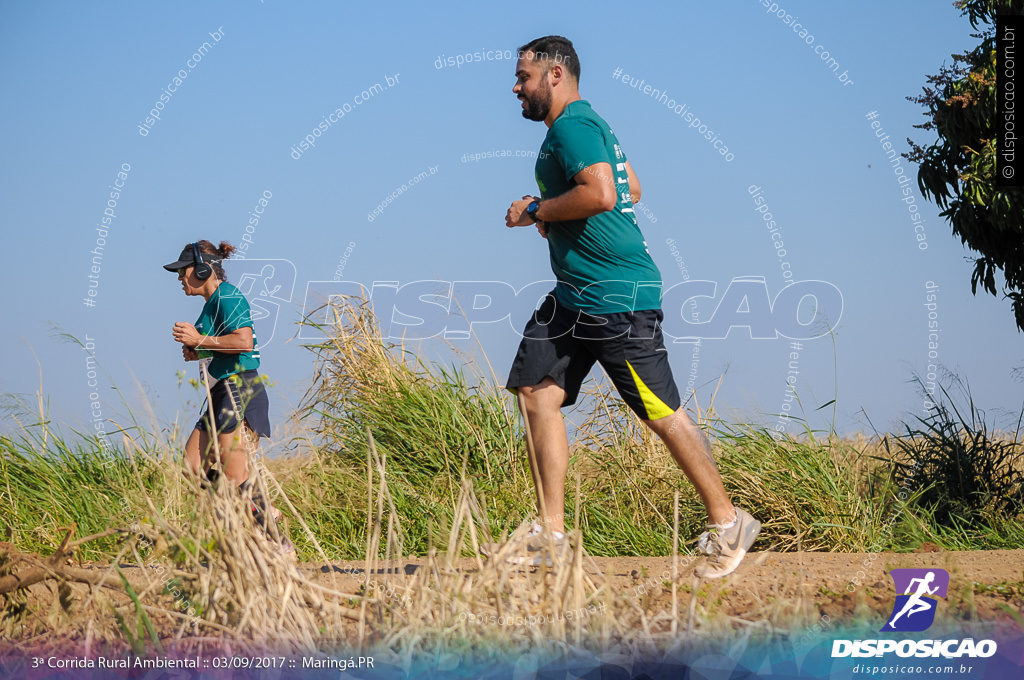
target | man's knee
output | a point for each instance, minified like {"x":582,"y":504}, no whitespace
{"x":669,"y":424}
{"x":544,"y":396}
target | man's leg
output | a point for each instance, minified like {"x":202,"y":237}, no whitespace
{"x":692,"y":452}
{"x":549,"y":367}
{"x":543,"y":404}
{"x":634,"y":356}
{"x":731,"y":531}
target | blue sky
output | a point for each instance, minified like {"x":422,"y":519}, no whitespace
{"x":79,"y":80}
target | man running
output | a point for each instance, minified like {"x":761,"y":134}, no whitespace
{"x":605,"y":306}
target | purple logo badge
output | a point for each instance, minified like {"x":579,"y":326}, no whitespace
{"x":914,"y":610}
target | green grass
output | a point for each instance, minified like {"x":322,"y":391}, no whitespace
{"x":966,"y":474}
{"x":801,"y":490}
{"x":49,"y":482}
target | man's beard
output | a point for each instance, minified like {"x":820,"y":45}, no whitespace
{"x":539,"y":106}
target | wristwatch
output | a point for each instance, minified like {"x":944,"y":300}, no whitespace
{"x":531,"y":210}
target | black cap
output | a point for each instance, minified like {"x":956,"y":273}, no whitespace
{"x":186,"y":259}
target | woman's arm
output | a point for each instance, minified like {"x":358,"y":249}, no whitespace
{"x":236,"y":342}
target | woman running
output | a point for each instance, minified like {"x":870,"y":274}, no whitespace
{"x":223,"y":338}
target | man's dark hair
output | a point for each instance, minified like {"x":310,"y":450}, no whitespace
{"x":554,"y":48}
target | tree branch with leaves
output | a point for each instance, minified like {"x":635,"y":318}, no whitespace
{"x":958,"y":171}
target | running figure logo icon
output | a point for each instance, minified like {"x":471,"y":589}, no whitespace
{"x":914,"y":610}
{"x":268,"y":286}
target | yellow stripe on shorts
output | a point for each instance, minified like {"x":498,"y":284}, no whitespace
{"x":655,"y":407}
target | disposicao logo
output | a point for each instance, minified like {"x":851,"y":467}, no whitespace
{"x":914,"y":611}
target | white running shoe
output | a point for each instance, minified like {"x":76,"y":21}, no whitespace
{"x":536,"y":545}
{"x":538,"y":549}
{"x":725,"y":548}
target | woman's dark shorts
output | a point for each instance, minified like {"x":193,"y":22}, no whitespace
{"x":235,"y":398}
{"x":564,"y":344}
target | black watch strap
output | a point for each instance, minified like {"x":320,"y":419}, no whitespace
{"x":531,"y":210}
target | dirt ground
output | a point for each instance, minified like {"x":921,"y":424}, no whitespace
{"x":782,"y":591}
{"x":771,"y":585}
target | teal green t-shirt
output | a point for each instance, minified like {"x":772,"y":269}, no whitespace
{"x":601,"y":263}
{"x":226,"y":311}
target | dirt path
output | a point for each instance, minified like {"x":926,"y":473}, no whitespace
{"x":803,"y":594}
{"x":777,"y":586}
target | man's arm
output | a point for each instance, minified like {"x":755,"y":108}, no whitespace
{"x":634,"y":183}
{"x":593,"y":194}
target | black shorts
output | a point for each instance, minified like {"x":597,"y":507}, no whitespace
{"x":563,"y":344}
{"x":236,"y":398}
